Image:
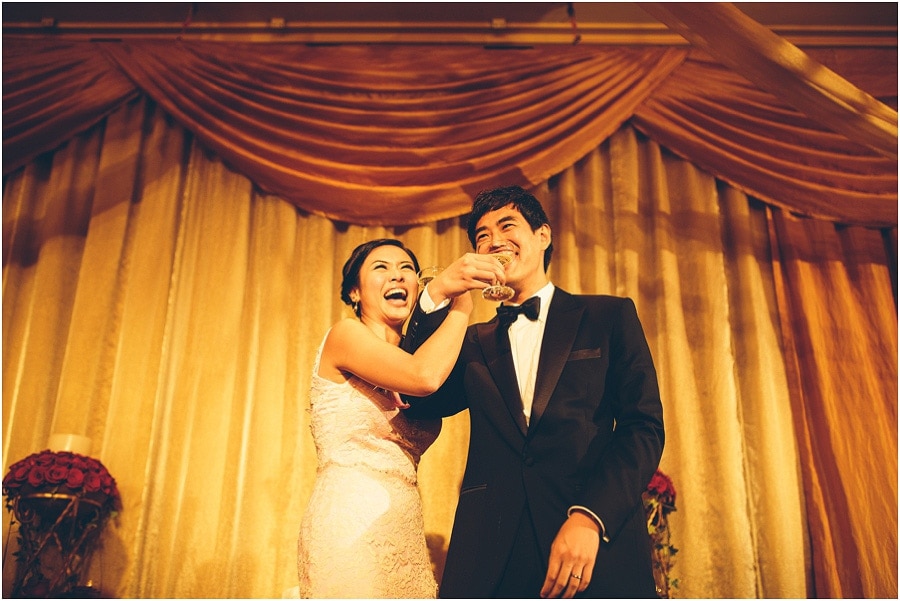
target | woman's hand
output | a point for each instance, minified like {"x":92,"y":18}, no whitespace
{"x":463,"y":303}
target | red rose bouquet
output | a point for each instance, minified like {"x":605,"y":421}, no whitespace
{"x":61,"y":472}
{"x":659,"y":502}
{"x":61,"y":500}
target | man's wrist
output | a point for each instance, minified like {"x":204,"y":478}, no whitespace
{"x":593,"y":517}
{"x":427,"y":303}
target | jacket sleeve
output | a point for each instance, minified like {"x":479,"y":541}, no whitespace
{"x":629,"y":461}
{"x":422,"y":325}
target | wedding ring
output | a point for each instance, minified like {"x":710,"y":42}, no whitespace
{"x":574,"y":576}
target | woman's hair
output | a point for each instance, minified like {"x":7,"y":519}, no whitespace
{"x":351,"y":268}
{"x":498,"y":198}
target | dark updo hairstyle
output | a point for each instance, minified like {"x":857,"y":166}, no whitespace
{"x":498,"y":198}
{"x":350,"y":272}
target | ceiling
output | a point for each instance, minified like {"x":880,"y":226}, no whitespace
{"x":833,"y":23}
{"x":767,"y":13}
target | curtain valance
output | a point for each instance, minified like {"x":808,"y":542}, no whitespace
{"x":407,"y":134}
{"x":776,"y":65}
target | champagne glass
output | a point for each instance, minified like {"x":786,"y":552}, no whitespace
{"x":427,"y":274}
{"x":499,"y":292}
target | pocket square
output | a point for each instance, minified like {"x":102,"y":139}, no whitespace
{"x":587,"y":353}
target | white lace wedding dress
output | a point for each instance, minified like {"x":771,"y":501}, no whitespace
{"x":363,"y":535}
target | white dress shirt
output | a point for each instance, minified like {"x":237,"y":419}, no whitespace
{"x":525,"y":338}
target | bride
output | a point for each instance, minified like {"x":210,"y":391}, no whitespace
{"x":362,"y":535}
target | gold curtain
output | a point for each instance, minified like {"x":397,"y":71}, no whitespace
{"x":156,"y":301}
{"x":839,"y":317}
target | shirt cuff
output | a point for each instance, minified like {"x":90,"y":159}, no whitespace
{"x":597,"y":519}
{"x":428,"y":305}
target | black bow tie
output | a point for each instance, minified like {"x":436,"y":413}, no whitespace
{"x":530,"y":309}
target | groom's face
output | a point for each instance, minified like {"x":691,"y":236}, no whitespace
{"x":507,"y":228}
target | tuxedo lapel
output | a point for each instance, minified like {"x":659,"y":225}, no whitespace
{"x":563,"y":319}
{"x":499,"y":360}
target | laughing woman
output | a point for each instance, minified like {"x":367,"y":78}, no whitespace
{"x":362,"y":535}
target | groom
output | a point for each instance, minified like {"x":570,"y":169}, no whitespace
{"x":566,"y":425}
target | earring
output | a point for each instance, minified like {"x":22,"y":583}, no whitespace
{"x":355,"y":306}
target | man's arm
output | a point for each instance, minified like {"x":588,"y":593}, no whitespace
{"x":444,"y":402}
{"x":629,"y":461}
{"x":422,"y":322}
{"x":469,"y":272}
{"x":622,"y":471}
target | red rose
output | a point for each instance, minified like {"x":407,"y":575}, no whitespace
{"x":91,"y":482}
{"x":56,"y":474}
{"x":36,"y":475}
{"x":79,"y":462}
{"x":75,"y":478}
{"x":21,"y":473}
{"x":16,"y":476}
{"x":44,"y":458}
{"x":63,"y":458}
{"x":661,"y":485}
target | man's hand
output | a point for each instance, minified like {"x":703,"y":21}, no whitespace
{"x":469,"y":272}
{"x":572,"y":557}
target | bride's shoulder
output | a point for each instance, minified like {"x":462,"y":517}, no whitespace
{"x":346,"y":326}
{"x":344,"y":332}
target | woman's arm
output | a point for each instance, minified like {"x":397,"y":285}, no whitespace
{"x":352,"y":348}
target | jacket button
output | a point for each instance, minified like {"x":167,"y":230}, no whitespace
{"x":529,"y":460}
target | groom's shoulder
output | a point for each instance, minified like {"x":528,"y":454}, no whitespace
{"x":594,"y":300}
{"x":603,"y":306}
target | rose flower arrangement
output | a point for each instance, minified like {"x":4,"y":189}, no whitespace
{"x":659,"y":502}
{"x":61,"y":472}
{"x":61,"y":500}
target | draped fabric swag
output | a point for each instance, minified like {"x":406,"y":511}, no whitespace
{"x":176,"y":215}
{"x":776,"y":65}
{"x":380,"y":135}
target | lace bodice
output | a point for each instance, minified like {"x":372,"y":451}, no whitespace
{"x":354,"y":424}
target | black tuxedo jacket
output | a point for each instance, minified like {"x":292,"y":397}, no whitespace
{"x":594,"y":440}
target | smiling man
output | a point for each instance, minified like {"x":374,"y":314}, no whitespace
{"x":566,"y":424}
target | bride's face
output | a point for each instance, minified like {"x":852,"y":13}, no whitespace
{"x":387,"y":285}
